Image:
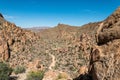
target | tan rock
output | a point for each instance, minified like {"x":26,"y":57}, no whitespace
{"x":56,"y":75}
{"x":4,"y":50}
{"x":50,"y":75}
{"x":83,"y":70}
{"x":35,"y":65}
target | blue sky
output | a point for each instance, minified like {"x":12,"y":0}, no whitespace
{"x":33,"y":13}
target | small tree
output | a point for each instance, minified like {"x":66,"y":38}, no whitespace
{"x":35,"y":75}
{"x":5,"y":71}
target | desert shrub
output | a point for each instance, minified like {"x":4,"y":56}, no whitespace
{"x":19,"y":69}
{"x":62,"y":76}
{"x":38,"y":75}
{"x":5,"y":71}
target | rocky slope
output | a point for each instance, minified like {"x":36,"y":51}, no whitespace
{"x":13,"y":39}
{"x":105,"y":56}
{"x":89,"y":52}
{"x":108,"y":40}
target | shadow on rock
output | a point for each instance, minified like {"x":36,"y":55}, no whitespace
{"x":83,"y":77}
{"x":13,"y":78}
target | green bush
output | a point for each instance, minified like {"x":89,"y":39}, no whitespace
{"x":19,"y":69}
{"x":5,"y":71}
{"x":35,"y":75}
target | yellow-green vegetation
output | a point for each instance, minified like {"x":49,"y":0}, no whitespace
{"x":19,"y":69}
{"x":38,"y":75}
{"x":62,"y":76}
{"x":5,"y":71}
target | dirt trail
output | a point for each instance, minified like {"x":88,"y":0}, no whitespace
{"x":53,"y":62}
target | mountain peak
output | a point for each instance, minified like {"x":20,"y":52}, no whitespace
{"x":117,"y":11}
{"x":113,"y":18}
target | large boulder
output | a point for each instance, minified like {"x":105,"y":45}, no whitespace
{"x":109,"y":35}
{"x":110,"y":29}
{"x":107,"y":67}
{"x":35,"y":65}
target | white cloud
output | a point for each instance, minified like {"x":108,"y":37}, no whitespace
{"x":9,"y":17}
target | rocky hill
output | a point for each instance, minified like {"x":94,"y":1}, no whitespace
{"x":13,"y":39}
{"x":104,"y":56}
{"x":88,"y":52}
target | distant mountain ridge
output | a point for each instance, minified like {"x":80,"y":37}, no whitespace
{"x":36,"y":29}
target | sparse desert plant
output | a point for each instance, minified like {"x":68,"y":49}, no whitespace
{"x":38,"y":75}
{"x":56,"y":66}
{"x":19,"y":69}
{"x":62,"y":76}
{"x":5,"y":71}
{"x":72,"y":68}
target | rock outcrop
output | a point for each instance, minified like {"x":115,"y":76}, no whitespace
{"x":4,"y":49}
{"x":35,"y":66}
{"x":104,"y":61}
{"x":106,"y":67}
{"x":13,"y":39}
{"x":110,"y":28}
{"x":1,"y":15}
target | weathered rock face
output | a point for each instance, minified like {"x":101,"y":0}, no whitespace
{"x":107,"y":62}
{"x":110,"y":28}
{"x":104,"y":62}
{"x":109,"y":35}
{"x":13,"y":40}
{"x":106,"y":67}
{"x":4,"y":50}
